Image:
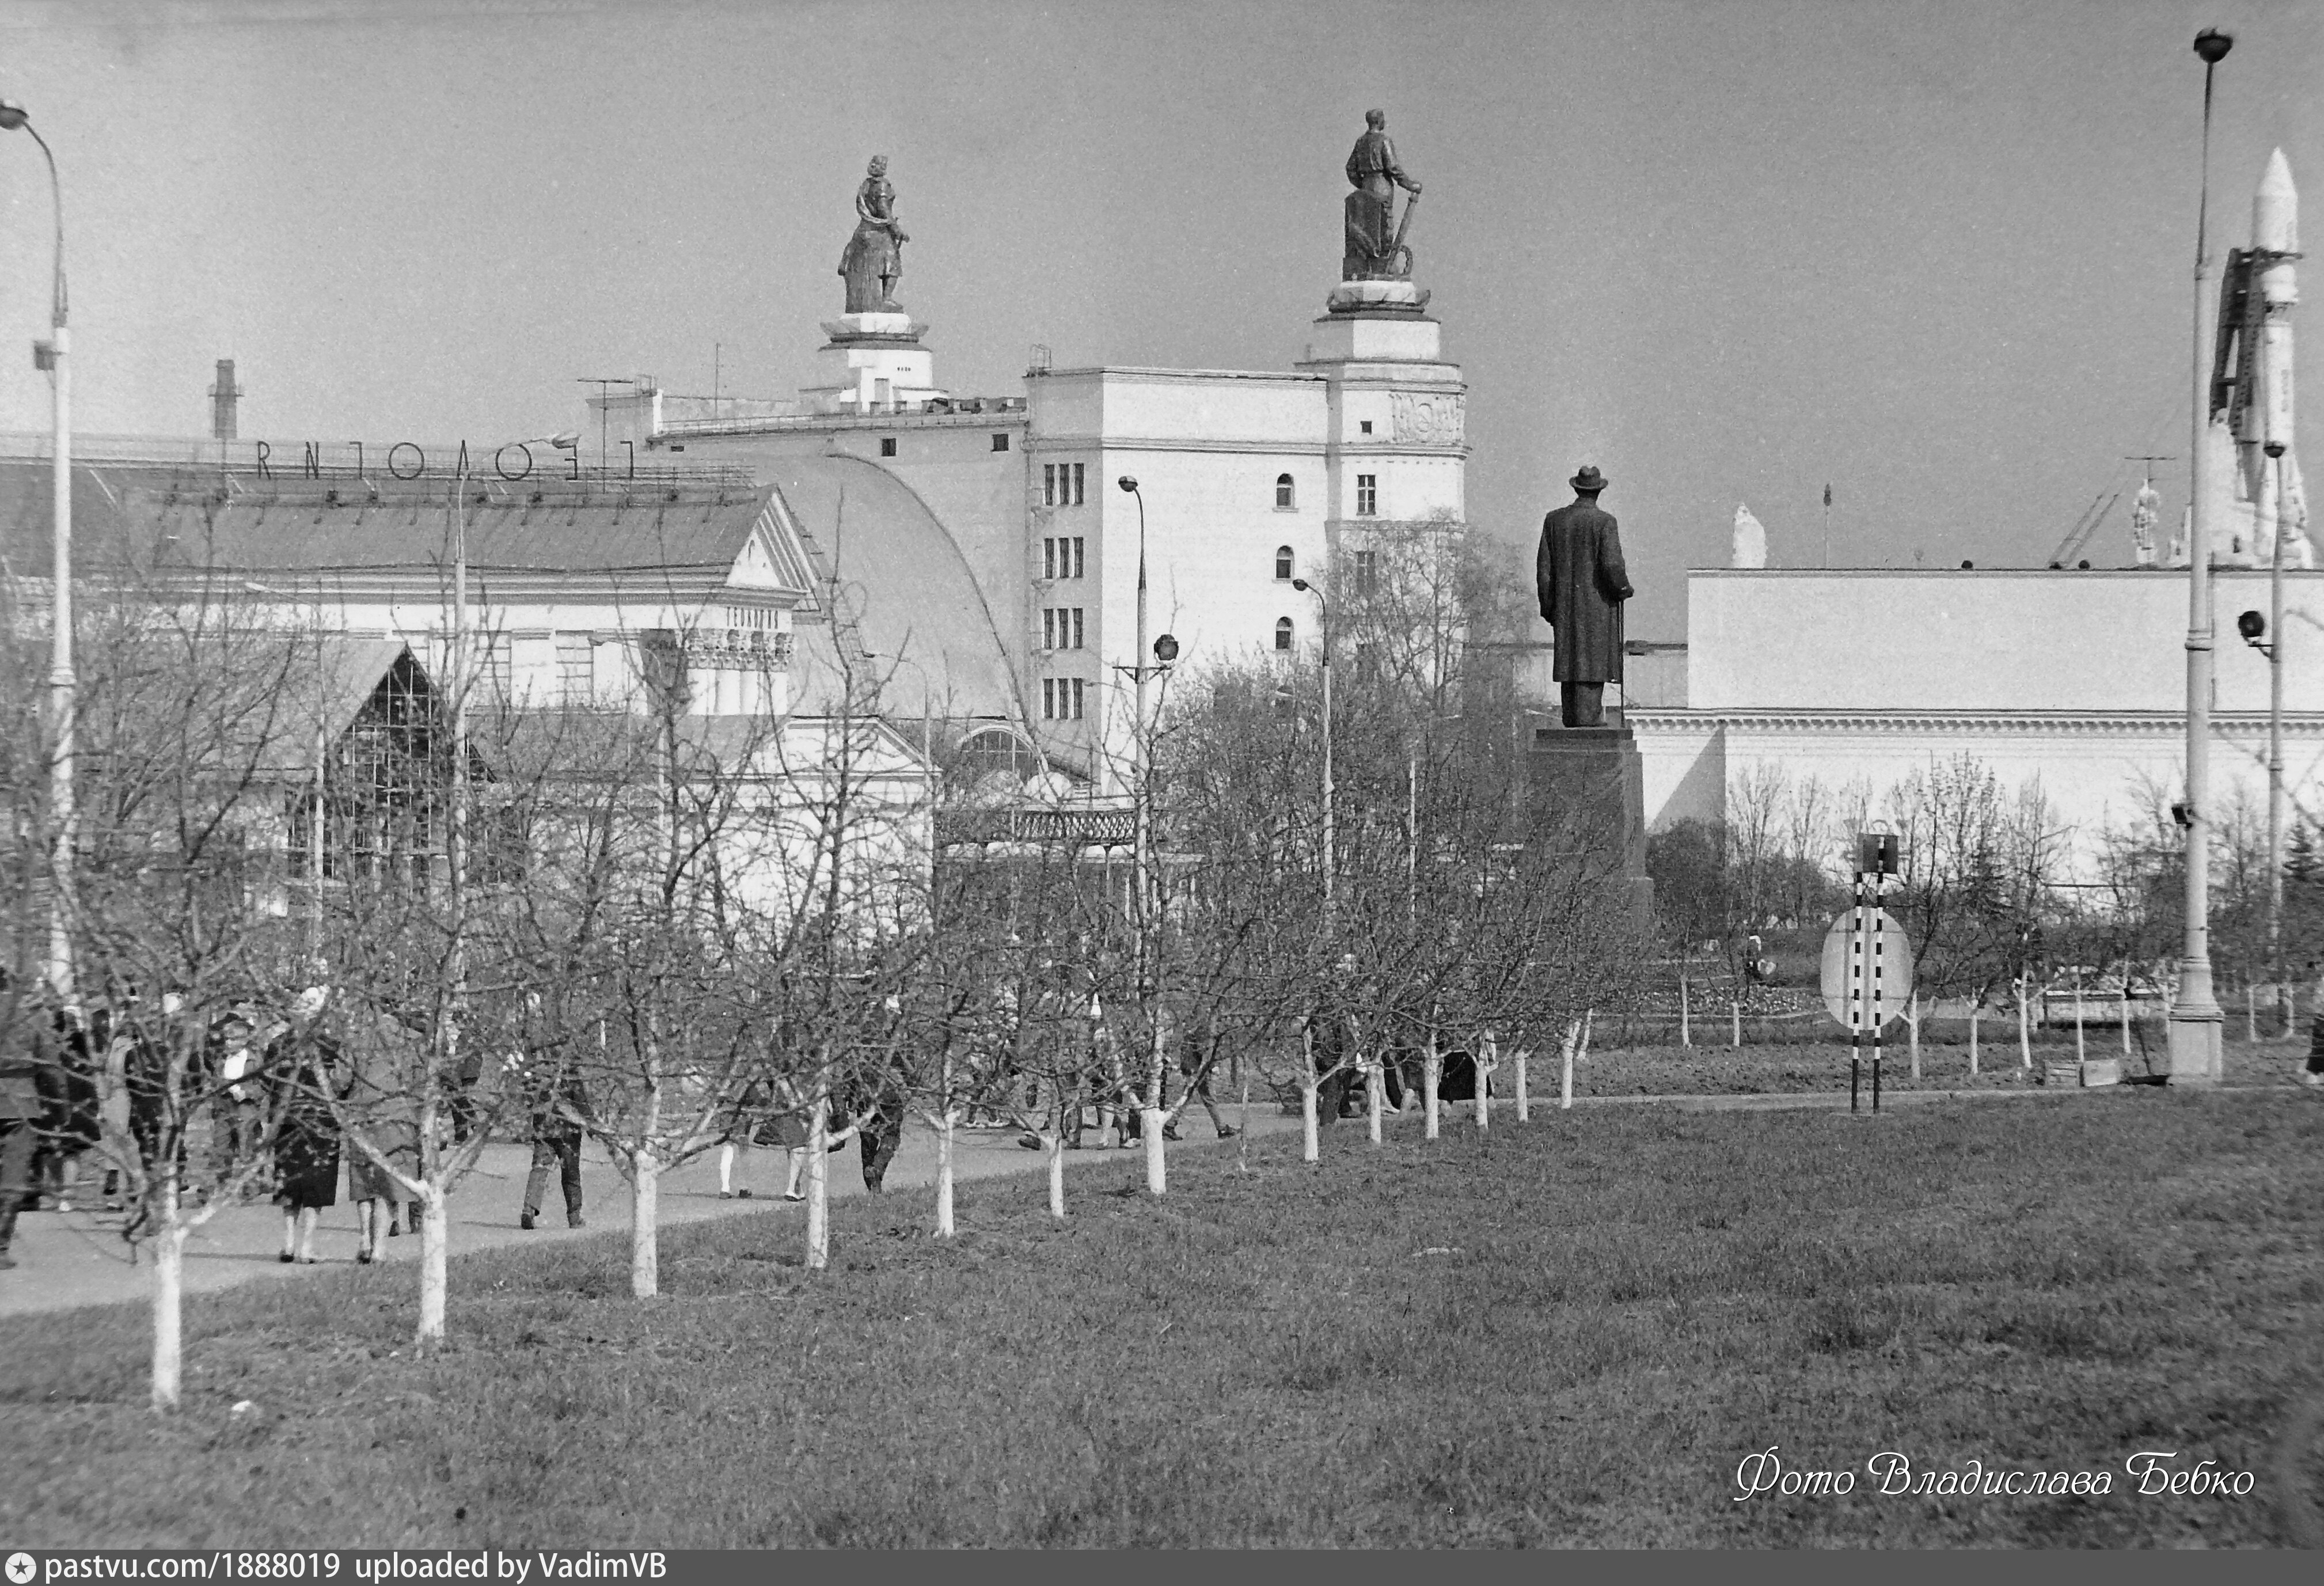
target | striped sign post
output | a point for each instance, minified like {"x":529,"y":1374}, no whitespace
{"x":1868,"y":967}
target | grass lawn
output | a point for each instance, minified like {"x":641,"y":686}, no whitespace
{"x":1571,"y":1332}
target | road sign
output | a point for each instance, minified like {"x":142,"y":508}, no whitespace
{"x":1896,"y":961}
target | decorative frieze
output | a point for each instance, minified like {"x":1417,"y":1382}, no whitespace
{"x":1428,"y":418}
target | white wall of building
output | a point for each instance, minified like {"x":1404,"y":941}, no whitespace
{"x":2075,"y":679}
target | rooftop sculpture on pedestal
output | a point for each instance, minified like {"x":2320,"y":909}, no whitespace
{"x":1376,"y":262}
{"x":875,"y":260}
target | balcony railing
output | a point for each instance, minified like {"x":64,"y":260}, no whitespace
{"x":1059,"y":828}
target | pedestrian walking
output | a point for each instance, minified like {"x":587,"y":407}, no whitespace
{"x":558,"y":1103}
{"x":1198,"y":1054}
{"x":2312,"y":1073}
{"x":20,"y":1112}
{"x":306,"y":1063}
{"x":236,"y":1115}
{"x":65,"y":1072}
{"x":385,"y":1061}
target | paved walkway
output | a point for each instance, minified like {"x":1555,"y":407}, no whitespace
{"x":78,"y":1258}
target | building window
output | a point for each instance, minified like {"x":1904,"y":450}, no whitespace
{"x":1063,"y":627}
{"x":1366,"y":572}
{"x":1062,"y":555}
{"x":1000,"y":441}
{"x":1077,"y":697}
{"x":1078,"y":564}
{"x":1367,"y":495}
{"x":575,"y":674}
{"x":1077,"y":627}
{"x":1282,"y":633}
{"x":1366,"y":426}
{"x":1048,"y":699}
{"x":1048,"y":627}
{"x":1283,"y":564}
{"x":1063,"y":699}
{"x":887,"y":446}
{"x":1283,"y":501}
{"x":1049,"y":556}
{"x":1048,"y":484}
{"x":1077,"y":482}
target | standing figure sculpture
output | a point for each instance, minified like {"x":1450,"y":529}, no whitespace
{"x":1375,"y":248}
{"x":875,"y":260}
{"x":1581,"y":583}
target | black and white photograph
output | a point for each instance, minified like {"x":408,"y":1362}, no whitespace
{"x":1154,"y":775}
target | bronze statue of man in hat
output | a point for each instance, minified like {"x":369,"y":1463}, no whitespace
{"x":1581,"y":582}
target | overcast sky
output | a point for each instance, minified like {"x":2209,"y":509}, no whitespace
{"x":1937,"y":254}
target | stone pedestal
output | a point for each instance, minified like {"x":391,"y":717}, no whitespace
{"x":1587,"y":786}
{"x":873,"y":364}
{"x":1385,"y":299}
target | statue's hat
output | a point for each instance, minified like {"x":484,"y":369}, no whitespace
{"x":1588,"y":479}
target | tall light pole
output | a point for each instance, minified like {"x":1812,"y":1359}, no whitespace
{"x":50,"y":355}
{"x":1141,"y":888}
{"x":2275,"y":449}
{"x":2196,"y":1017}
{"x":1330,"y":824}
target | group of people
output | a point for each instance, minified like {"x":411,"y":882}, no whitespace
{"x":275,"y":1095}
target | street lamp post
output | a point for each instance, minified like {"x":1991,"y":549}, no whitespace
{"x":2196,"y":1019}
{"x":1141,"y":885}
{"x":1330,"y":828}
{"x":51,"y":355}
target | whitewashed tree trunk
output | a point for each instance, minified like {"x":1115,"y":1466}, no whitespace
{"x":434,"y":1275}
{"x":1565,"y":1086}
{"x":1913,"y":1023}
{"x":1149,"y":1128}
{"x":1375,"y":1097}
{"x":1055,"y":1145}
{"x":1525,"y":1110}
{"x":169,"y":1304}
{"x":1311,"y":1145}
{"x":1735,"y":1010}
{"x":645,"y":1248}
{"x":944,"y":1174}
{"x":1242,"y":1135}
{"x":818,"y":1185}
{"x":1484,"y":1066}
{"x":2024,"y":1030}
{"x":1972,"y":1037}
{"x":1432,"y":1106}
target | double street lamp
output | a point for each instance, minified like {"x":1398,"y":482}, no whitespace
{"x":2197,"y":1021}
{"x":51,"y":355}
{"x":1165,"y":651}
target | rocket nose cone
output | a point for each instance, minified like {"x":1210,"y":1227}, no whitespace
{"x":2276,"y":207}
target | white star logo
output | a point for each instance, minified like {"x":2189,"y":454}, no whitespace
{"x":21,"y":1568}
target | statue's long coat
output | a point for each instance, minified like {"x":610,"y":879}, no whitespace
{"x":1579,"y":575}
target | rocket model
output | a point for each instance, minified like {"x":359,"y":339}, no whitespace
{"x":2252,"y":388}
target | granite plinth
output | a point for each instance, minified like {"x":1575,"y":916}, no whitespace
{"x":894,"y":329}
{"x":1398,"y":298}
{"x":1589,"y":786}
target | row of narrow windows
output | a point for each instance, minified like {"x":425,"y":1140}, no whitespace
{"x":1364,"y":569}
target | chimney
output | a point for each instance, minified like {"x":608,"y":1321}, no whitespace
{"x":223,"y":397}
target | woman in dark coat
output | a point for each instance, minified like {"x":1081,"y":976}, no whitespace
{"x":305,"y":1062}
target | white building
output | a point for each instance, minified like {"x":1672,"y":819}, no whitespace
{"x":2075,"y":678}
{"x":970,"y":529}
